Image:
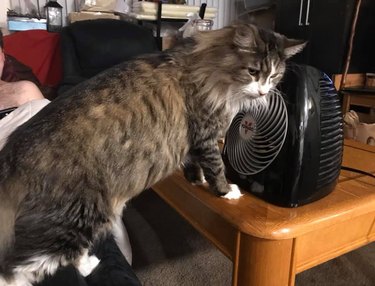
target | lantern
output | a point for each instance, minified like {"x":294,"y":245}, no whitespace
{"x":54,"y":16}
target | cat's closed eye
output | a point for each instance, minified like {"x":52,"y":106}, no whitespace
{"x":252,"y":71}
{"x":275,"y":75}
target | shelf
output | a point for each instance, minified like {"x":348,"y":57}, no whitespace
{"x":159,"y":19}
{"x":358,"y":96}
{"x":359,"y":89}
{"x":142,"y":17}
{"x":143,"y":10}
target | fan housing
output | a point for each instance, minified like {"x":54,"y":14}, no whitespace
{"x":290,"y":153}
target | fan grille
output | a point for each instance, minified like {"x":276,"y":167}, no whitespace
{"x":256,"y":135}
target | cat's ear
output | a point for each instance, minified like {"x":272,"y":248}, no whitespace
{"x":292,"y":47}
{"x":244,"y":36}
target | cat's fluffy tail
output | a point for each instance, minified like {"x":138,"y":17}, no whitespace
{"x":7,"y":216}
{"x":7,"y":220}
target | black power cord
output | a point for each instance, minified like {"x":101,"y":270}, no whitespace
{"x":357,"y":171}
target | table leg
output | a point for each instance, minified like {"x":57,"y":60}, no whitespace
{"x":261,"y":262}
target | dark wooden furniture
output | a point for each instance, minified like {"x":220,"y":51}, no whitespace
{"x":269,"y":245}
{"x":326,"y":24}
{"x":357,"y":91}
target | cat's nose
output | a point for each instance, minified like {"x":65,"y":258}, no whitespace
{"x":262,"y":90}
{"x":262,"y":93}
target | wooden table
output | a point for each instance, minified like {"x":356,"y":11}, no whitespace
{"x":269,"y":245}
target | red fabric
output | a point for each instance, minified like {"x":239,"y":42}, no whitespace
{"x":14,"y":70}
{"x":40,"y":50}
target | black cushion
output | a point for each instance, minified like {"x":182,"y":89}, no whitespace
{"x":91,"y":46}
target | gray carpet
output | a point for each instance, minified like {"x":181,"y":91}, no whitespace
{"x":167,"y":251}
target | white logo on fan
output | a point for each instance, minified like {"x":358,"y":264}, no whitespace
{"x":247,"y":127}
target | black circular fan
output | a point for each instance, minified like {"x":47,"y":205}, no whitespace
{"x":256,"y":135}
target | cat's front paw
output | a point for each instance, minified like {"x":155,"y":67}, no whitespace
{"x":194,"y":175}
{"x":233,"y":194}
{"x":199,"y":182}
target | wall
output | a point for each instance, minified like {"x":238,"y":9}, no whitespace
{"x":4,"y":4}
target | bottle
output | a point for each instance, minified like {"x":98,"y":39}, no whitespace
{"x":202,"y":24}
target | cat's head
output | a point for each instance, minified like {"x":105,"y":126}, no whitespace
{"x":249,"y":59}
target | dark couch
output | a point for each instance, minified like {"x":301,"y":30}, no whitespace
{"x":91,"y":46}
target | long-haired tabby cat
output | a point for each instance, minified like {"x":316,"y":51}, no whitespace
{"x":66,"y":173}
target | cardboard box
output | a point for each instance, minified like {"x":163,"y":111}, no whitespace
{"x":80,"y":16}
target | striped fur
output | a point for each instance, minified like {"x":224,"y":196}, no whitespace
{"x":65,"y":173}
